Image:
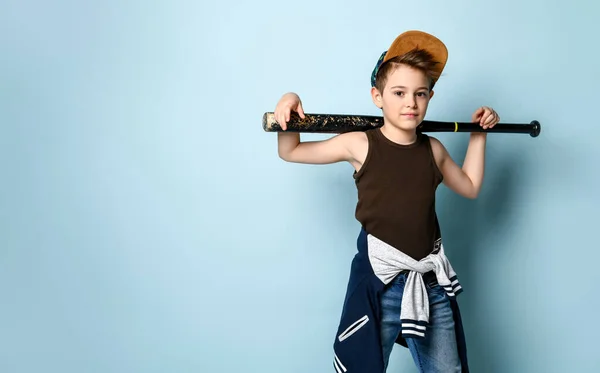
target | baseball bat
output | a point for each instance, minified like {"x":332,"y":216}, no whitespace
{"x":340,"y":123}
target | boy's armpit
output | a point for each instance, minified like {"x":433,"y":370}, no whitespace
{"x":358,"y":143}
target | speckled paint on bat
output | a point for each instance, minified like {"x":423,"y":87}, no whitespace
{"x":323,"y":123}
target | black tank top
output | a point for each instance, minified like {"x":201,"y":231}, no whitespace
{"x":396,"y":193}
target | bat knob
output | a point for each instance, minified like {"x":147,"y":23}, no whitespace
{"x":537,"y":128}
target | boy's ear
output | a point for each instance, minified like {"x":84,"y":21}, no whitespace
{"x":431,"y":94}
{"x":376,"y":96}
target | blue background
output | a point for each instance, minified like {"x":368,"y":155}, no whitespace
{"x":147,"y":224}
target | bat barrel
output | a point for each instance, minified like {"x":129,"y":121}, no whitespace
{"x":338,"y":123}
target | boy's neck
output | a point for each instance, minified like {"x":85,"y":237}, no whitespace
{"x":398,"y":135}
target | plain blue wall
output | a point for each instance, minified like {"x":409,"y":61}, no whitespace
{"x":147,"y":224}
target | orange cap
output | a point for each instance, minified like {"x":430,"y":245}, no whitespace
{"x":410,"y":40}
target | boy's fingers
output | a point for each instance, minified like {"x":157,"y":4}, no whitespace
{"x":477,"y":114}
{"x":282,"y":122}
{"x":492,"y":120}
{"x":487,"y":115}
{"x":485,"y":120}
{"x":482,"y":119}
{"x":301,"y":110}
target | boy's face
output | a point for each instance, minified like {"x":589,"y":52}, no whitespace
{"x":405,"y":97}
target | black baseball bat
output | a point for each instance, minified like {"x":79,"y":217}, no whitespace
{"x":340,"y":123}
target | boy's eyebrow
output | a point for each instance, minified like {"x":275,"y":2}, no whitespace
{"x":401,"y":86}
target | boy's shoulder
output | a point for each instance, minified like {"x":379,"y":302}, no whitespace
{"x":436,"y":143}
{"x":438,"y":149}
{"x":354,"y":136}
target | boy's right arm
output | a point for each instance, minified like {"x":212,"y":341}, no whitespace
{"x":290,"y":149}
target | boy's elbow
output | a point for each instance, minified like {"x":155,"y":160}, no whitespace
{"x":286,"y":156}
{"x":473,"y":193}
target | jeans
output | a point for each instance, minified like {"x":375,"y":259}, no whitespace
{"x":437,"y":352}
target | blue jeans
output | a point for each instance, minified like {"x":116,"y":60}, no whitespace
{"x":437,"y":352}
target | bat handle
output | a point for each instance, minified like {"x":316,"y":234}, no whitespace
{"x":536,"y":128}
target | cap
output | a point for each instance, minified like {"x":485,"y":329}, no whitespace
{"x":410,"y":40}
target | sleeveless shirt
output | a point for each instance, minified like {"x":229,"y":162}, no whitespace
{"x":396,"y":188}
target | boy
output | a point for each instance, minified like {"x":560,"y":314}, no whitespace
{"x":402,"y":287}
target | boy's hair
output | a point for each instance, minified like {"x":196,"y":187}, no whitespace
{"x":419,"y":59}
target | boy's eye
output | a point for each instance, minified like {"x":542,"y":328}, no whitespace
{"x":420,"y":94}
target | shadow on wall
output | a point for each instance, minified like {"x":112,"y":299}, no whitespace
{"x":468,"y":226}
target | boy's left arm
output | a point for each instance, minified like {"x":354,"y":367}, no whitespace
{"x":467,"y":181}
